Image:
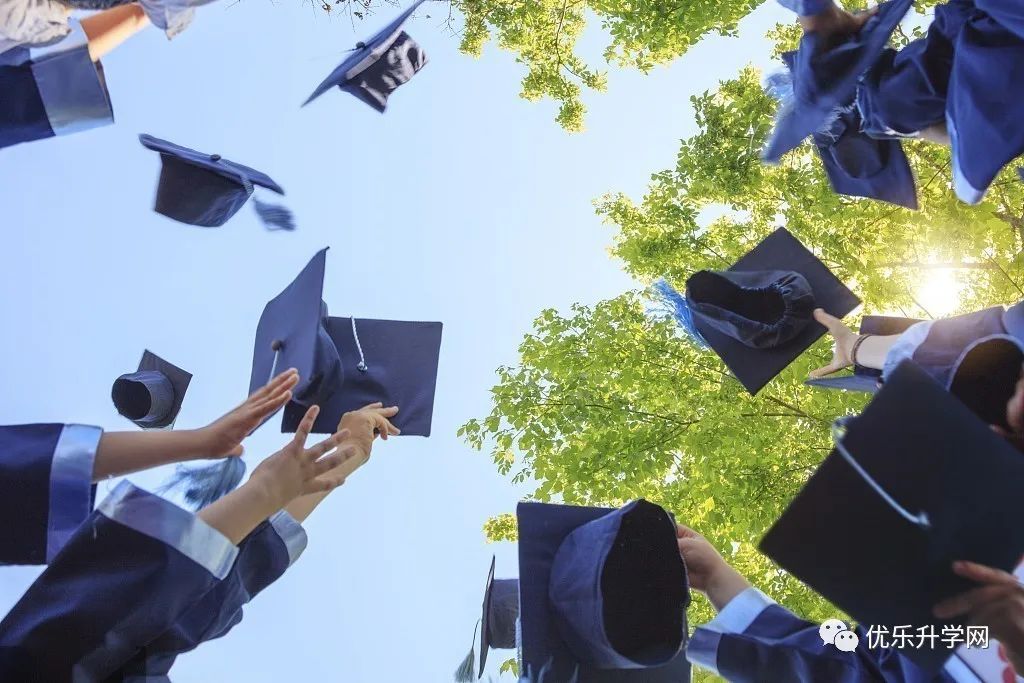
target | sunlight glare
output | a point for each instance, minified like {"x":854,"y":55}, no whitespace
{"x":939,"y":292}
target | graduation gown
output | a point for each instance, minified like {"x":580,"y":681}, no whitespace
{"x":128,"y":574}
{"x":754,"y":640}
{"x":46,"y":488}
{"x":52,"y":90}
{"x":263,"y":557}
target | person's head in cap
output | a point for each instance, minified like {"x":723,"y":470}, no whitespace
{"x":497,"y":625}
{"x":835,"y":51}
{"x":377,"y":66}
{"x":914,"y":484}
{"x":206,"y":190}
{"x":758,"y":315}
{"x":603,"y":594}
{"x":151,"y":397}
{"x":346,"y":363}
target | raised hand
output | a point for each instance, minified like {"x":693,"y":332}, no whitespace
{"x":223,"y":437}
{"x":843,"y":339}
{"x":367,"y":423}
{"x":707,"y":570}
{"x":296,"y":470}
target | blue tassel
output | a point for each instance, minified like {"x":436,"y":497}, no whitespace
{"x":465,"y":672}
{"x":675,"y":305}
{"x":203,"y":485}
{"x":274,"y":217}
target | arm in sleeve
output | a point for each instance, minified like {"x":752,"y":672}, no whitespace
{"x":124,"y":578}
{"x":754,"y":640}
{"x":46,"y":488}
{"x":806,"y":8}
{"x":263,"y":557}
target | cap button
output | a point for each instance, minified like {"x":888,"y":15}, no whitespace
{"x":360,"y":45}
{"x":362,"y":367}
{"x":214,"y":157}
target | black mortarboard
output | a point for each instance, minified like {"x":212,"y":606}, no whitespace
{"x":375,"y":68}
{"x":151,"y":396}
{"x":603,"y":594}
{"x":825,"y":76}
{"x":207,"y":190}
{"x":985,"y":376}
{"x":865,"y":379}
{"x":758,"y":315}
{"x":345,"y":363}
{"x":916,"y":483}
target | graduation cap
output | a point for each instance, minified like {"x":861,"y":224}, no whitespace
{"x":985,"y":376}
{"x":758,"y":315}
{"x":916,"y":482}
{"x":207,"y":190}
{"x":378,"y":66}
{"x":865,"y":379}
{"x":603,"y":594}
{"x":497,"y":623}
{"x":984,"y":131}
{"x":345,"y":363}
{"x":151,"y":396}
{"x":825,"y":76}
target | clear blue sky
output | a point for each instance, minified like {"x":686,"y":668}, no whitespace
{"x":463,"y":203}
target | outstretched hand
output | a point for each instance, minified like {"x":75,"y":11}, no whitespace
{"x":367,"y":423}
{"x":223,"y":437}
{"x":296,"y":470}
{"x":843,"y":339}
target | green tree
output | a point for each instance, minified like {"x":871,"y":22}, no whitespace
{"x":608,"y":402}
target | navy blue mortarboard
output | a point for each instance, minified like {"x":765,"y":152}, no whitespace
{"x":916,"y":483}
{"x":207,"y":190}
{"x":377,"y":67}
{"x":151,"y":396}
{"x":865,"y":379}
{"x":758,"y":315}
{"x":603,"y":594}
{"x":825,"y":77}
{"x":861,"y":166}
{"x":985,"y":376}
{"x":984,"y":126}
{"x":345,"y":363}
{"x":497,"y":623}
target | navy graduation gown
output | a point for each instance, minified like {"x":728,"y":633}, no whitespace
{"x":263,"y":557}
{"x":123,"y":579}
{"x":754,"y":640}
{"x":46,"y":488}
{"x":52,"y":90}
{"x":947,"y":339}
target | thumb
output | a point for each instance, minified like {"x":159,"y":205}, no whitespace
{"x":236,"y":451}
{"x":825,"y":370}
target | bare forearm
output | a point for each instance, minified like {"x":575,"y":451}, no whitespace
{"x":872,"y":351}
{"x":239,"y":512}
{"x":122,"y":453}
{"x":301,"y":508}
{"x":724,"y":586}
{"x":109,"y":28}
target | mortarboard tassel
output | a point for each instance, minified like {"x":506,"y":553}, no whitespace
{"x":675,"y":304}
{"x":204,"y":485}
{"x":464,"y":674}
{"x":274,"y":216}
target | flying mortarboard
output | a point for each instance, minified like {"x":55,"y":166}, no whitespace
{"x":757,"y":316}
{"x":151,"y":396}
{"x":916,"y":483}
{"x":865,"y":379}
{"x":825,"y":77}
{"x":207,"y":190}
{"x":603,"y":594}
{"x":497,"y":623}
{"x":345,"y":363}
{"x":377,"y":67}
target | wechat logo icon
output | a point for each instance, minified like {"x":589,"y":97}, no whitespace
{"x":834,"y":632}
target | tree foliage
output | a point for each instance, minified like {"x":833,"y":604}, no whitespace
{"x":608,"y":402}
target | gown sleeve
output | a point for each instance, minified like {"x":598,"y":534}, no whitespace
{"x":125,"y":577}
{"x":46,"y":488}
{"x":52,"y":90}
{"x":754,"y":640}
{"x":263,"y":557}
